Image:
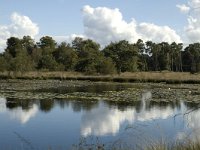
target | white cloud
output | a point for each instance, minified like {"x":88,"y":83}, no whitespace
{"x":156,"y":33}
{"x":194,"y":3}
{"x":20,"y":26}
{"x":67,"y":39}
{"x":192,"y":30}
{"x":183,"y":8}
{"x":104,"y":25}
{"x":101,"y":24}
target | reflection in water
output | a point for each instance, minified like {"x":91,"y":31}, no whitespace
{"x":23,"y":115}
{"x":2,"y":105}
{"x":193,"y":122}
{"x":155,"y":113}
{"x":151,"y":112}
{"x":97,"y":118}
{"x":181,"y":136}
{"x":23,"y":110}
{"x":46,"y":105}
{"x":103,"y":120}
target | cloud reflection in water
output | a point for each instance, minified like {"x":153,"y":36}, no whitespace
{"x":18,"y":113}
{"x":2,"y":105}
{"x":103,"y":120}
{"x":24,"y":115}
{"x":193,"y":122}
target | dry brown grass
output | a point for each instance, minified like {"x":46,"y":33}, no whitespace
{"x":170,"y":77}
{"x":162,"y":75}
{"x":39,"y":74}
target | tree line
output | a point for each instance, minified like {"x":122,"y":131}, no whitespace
{"x":87,"y":56}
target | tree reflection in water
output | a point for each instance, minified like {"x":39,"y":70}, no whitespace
{"x":106,"y":118}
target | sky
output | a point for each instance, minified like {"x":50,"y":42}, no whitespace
{"x":102,"y":21}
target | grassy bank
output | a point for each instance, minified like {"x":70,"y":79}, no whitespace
{"x":168,"y":77}
{"x":187,"y":145}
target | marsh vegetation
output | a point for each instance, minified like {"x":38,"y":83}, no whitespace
{"x":98,"y":115}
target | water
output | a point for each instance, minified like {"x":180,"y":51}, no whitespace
{"x":67,"y":124}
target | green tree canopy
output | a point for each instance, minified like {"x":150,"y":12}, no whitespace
{"x":47,"y":42}
{"x":89,"y":55}
{"x":66,"y":56}
{"x":29,"y":44}
{"x":123,"y":54}
{"x":13,"y":45}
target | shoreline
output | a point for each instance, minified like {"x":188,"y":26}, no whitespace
{"x":127,"y":77}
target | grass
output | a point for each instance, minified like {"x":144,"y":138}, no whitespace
{"x":177,"y":146}
{"x":155,"y":77}
{"x":98,"y":145}
{"x":83,"y":145}
{"x":162,"y":146}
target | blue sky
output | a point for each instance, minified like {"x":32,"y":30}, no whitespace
{"x":64,"y":17}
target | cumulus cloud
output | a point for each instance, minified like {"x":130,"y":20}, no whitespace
{"x":20,"y":25}
{"x":194,"y":3}
{"x":101,"y":24}
{"x":156,"y":33}
{"x":67,"y":39}
{"x":183,"y":8}
{"x":192,"y":30}
{"x":105,"y":25}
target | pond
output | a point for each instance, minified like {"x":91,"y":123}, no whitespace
{"x":57,"y":122}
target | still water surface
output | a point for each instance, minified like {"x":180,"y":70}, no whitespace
{"x":64,"y":123}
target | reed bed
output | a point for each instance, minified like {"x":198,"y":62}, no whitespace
{"x":155,"y":77}
{"x":186,"y":146}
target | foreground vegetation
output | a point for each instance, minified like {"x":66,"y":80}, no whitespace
{"x":98,"y":146}
{"x":88,"y":57}
{"x":119,"y":93}
{"x":188,"y":146}
{"x":161,"y":146}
